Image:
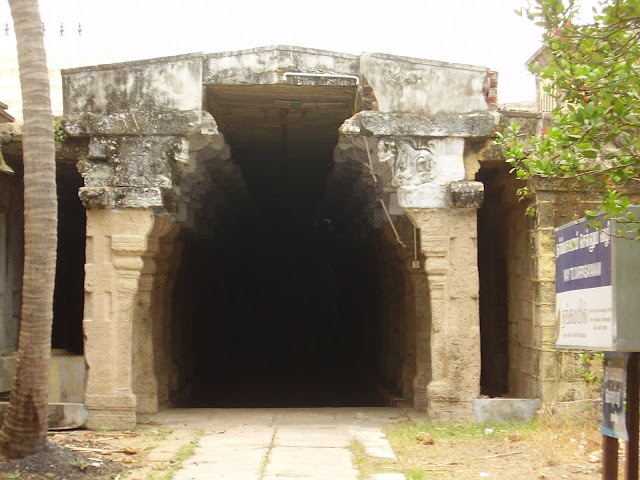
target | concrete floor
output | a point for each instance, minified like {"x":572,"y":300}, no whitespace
{"x":270,"y":444}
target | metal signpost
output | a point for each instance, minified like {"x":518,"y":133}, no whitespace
{"x":597,"y":303}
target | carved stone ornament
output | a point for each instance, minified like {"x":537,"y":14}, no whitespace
{"x":411,"y":160}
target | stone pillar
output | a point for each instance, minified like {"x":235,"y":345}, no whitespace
{"x":445,"y":390}
{"x":429,"y":174}
{"x":145,"y":384}
{"x":167,"y":263}
{"x":150,"y":372}
{"x":413,"y":317}
{"x":422,"y":340}
{"x":427,"y":159}
{"x":116,"y":242}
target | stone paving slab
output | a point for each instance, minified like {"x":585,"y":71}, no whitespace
{"x":388,"y":476}
{"x":312,"y":437}
{"x":239,"y":436}
{"x":164,"y":452}
{"x":280,"y":444}
{"x":310,"y":463}
{"x":305,"y":418}
{"x":213,"y":419}
{"x":254,"y":417}
{"x":214,"y":462}
{"x":374,"y":441}
{"x":374,"y":416}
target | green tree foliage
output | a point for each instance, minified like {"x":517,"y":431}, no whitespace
{"x":593,"y":71}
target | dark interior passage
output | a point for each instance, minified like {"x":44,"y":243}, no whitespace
{"x":280,"y":316}
{"x":276,"y":305}
{"x":68,"y":301}
{"x":493,"y":252}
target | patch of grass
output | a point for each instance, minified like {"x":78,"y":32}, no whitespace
{"x":360,"y":459}
{"x":458,"y":431}
{"x":184,"y":452}
{"x":415,"y":474}
{"x":161,"y":434}
{"x":367,"y":465}
{"x":13,"y":475}
{"x":358,"y":451}
{"x":267,"y":457}
{"x":81,"y":464}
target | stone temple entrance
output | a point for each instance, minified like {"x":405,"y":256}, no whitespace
{"x":282,"y":294}
{"x":279,"y":227}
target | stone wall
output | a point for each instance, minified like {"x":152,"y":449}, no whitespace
{"x":536,"y":369}
{"x":557,"y":202}
{"x":11,"y":255}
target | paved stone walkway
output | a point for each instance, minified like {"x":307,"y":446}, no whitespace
{"x":280,"y":444}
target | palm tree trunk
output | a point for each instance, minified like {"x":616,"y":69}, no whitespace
{"x":25,"y":422}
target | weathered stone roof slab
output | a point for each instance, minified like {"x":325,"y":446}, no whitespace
{"x":157,"y":96}
{"x":413,"y":85}
{"x":267,"y":65}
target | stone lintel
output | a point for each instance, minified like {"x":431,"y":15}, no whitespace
{"x":469,"y":125}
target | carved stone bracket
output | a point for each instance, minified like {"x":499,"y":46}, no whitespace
{"x":466,"y":194}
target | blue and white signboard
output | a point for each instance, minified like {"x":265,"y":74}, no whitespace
{"x":597,"y":279}
{"x":584,"y":308}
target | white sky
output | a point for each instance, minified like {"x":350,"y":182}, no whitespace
{"x":477,"y":32}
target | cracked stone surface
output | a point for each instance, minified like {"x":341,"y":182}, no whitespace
{"x":269,"y":444}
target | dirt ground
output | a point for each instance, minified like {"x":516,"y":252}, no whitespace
{"x":504,"y":455}
{"x":565,"y":445}
{"x":555,"y":446}
{"x":80,"y":454}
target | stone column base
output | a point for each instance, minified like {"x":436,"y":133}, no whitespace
{"x":444,"y":404}
{"x":420,"y":401}
{"x":147,"y":403}
{"x":113,"y":412}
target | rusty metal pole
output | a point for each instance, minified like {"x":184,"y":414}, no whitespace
{"x":633,"y":387}
{"x":609,"y":458}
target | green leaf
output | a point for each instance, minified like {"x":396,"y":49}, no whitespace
{"x":592,"y":69}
